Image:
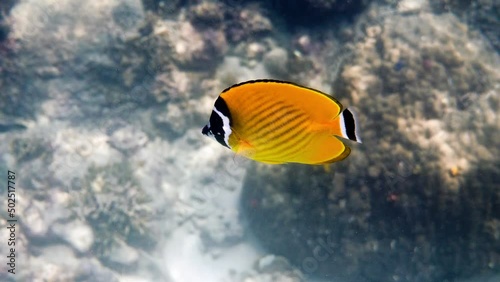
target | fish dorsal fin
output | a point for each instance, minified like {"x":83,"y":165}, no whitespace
{"x":320,"y":106}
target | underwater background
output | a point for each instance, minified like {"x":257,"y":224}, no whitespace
{"x":102,"y":104}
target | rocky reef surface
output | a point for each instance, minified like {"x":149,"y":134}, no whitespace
{"x":483,"y":15}
{"x":101,"y":107}
{"x":419,"y":199}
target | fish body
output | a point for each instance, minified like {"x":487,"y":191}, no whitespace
{"x":277,"y":122}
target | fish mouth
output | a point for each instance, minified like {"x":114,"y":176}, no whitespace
{"x":205,"y":130}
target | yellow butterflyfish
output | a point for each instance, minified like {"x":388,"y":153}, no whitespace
{"x":278,"y":122}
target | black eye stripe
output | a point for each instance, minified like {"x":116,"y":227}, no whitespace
{"x":216,"y":122}
{"x":221,"y":106}
{"x":216,"y":127}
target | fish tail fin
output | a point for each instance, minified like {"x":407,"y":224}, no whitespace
{"x":349,"y":128}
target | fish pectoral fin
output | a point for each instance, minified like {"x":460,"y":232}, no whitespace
{"x":245,"y":149}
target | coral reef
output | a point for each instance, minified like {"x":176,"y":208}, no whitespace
{"x":26,"y":150}
{"x":307,"y":12}
{"x":393,"y":210}
{"x":479,"y":14}
{"x":110,"y":196}
{"x":102,"y":103}
{"x":88,"y":50}
{"x":206,"y":14}
{"x":273,"y":268}
{"x":192,"y":49}
{"x":164,"y":7}
{"x":5,"y":7}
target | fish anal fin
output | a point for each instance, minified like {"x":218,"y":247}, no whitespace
{"x":323,"y":149}
{"x":338,"y":158}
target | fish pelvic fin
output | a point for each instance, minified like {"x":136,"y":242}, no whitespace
{"x":348,"y":124}
{"x":245,"y":149}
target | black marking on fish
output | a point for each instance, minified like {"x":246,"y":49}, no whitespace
{"x":350,"y":125}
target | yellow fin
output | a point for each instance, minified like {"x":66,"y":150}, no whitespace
{"x":245,"y":149}
{"x":326,"y":167}
{"x":323,"y":149}
{"x":340,"y":157}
